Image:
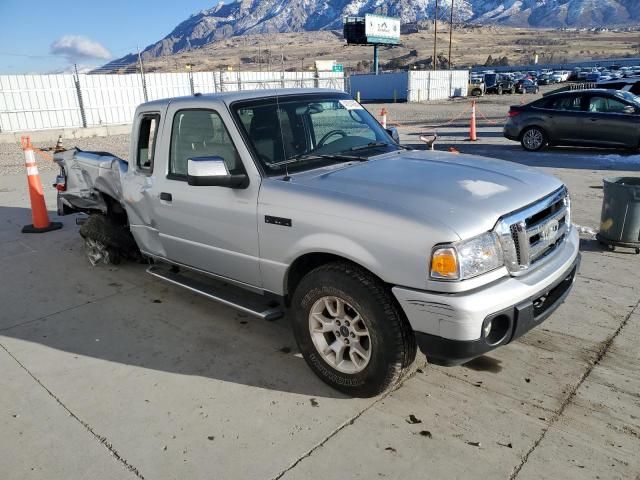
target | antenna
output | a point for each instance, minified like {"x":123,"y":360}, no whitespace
{"x":284,"y":151}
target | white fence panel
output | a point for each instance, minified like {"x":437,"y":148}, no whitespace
{"x":33,"y":102}
{"x":437,"y":85}
{"x":111,"y":99}
{"x":167,"y":85}
{"x":205,"y":82}
{"x":333,"y":80}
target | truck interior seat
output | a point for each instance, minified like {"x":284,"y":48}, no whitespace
{"x":201,"y":134}
{"x":265,"y":132}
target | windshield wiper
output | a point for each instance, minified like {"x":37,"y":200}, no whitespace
{"x":325,"y":156}
{"x":370,"y":145}
{"x":379,"y":144}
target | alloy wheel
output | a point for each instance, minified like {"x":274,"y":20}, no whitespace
{"x":340,"y":334}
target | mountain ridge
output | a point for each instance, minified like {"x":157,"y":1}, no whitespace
{"x":244,"y":17}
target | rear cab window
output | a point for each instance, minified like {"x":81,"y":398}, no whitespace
{"x":147,"y":136}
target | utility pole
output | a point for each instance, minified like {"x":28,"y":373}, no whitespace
{"x":435,"y":35}
{"x":144,"y":82}
{"x":450,"y":33}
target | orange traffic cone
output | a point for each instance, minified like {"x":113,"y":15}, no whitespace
{"x":59,"y":146}
{"x":472,"y":128}
{"x":39,"y":213}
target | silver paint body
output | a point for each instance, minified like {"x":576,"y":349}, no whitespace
{"x":386,"y":215}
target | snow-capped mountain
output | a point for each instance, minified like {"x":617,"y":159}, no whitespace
{"x":272,"y":16}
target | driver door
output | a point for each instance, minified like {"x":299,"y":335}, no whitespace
{"x":607,"y":122}
{"x":210,"y":228}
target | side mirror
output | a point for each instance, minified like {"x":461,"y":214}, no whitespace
{"x":213,"y":172}
{"x":393,"y":132}
{"x":629,"y":109}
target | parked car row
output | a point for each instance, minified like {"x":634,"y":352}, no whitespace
{"x":593,"y":117}
{"x":614,"y":76}
{"x":594,"y":74}
{"x":514,"y":82}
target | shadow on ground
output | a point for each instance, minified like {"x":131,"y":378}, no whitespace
{"x":122,"y":315}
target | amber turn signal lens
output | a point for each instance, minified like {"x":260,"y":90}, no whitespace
{"x":444,"y":264}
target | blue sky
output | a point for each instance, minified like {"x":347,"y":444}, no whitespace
{"x":29,"y":28}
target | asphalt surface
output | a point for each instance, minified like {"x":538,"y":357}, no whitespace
{"x":109,"y":373}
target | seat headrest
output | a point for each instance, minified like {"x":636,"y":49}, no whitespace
{"x":196,"y":126}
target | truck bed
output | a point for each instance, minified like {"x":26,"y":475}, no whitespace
{"x":88,"y":177}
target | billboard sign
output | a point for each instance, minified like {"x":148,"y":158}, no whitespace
{"x":381,"y":29}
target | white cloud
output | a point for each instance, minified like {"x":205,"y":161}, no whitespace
{"x":77,"y":47}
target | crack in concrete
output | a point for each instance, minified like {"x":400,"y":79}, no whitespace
{"x":604,"y":348}
{"x":103,"y":440}
{"x":352,"y":420}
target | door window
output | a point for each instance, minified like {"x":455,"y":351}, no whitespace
{"x":605,"y":105}
{"x":147,"y":135}
{"x":200,"y":133}
{"x":571,"y":103}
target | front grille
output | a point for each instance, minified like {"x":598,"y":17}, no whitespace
{"x":533,"y":234}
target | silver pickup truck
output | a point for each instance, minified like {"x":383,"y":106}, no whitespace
{"x":300,"y":200}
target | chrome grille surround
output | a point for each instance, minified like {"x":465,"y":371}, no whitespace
{"x":530,"y":236}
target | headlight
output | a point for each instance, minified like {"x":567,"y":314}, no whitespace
{"x":467,"y":259}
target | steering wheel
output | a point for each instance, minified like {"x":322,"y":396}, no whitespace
{"x":330,"y":134}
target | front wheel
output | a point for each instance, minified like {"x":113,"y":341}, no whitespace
{"x":350,"y":330}
{"x":533,"y":139}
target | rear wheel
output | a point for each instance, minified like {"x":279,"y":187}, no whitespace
{"x":350,"y":330}
{"x":533,"y":139}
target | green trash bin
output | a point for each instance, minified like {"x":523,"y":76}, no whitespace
{"x":620,"y":219}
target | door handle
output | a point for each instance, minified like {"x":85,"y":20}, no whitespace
{"x":594,"y":119}
{"x":166,"y":196}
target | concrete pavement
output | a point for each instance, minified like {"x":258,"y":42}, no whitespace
{"x":108,"y":373}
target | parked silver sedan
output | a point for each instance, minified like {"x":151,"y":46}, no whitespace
{"x":602,"y":118}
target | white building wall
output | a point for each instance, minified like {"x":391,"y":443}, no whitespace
{"x":425,"y":85}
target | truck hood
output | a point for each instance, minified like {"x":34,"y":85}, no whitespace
{"x":467,"y":193}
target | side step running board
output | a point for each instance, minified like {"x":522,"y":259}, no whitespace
{"x":235,"y":297}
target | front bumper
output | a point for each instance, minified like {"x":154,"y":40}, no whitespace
{"x":448,"y":327}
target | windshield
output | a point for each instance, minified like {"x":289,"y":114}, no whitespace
{"x":300,"y":132}
{"x":629,"y":97}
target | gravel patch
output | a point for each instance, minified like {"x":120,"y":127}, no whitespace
{"x":12,"y":158}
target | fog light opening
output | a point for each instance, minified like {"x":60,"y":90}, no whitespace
{"x":496,"y":329}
